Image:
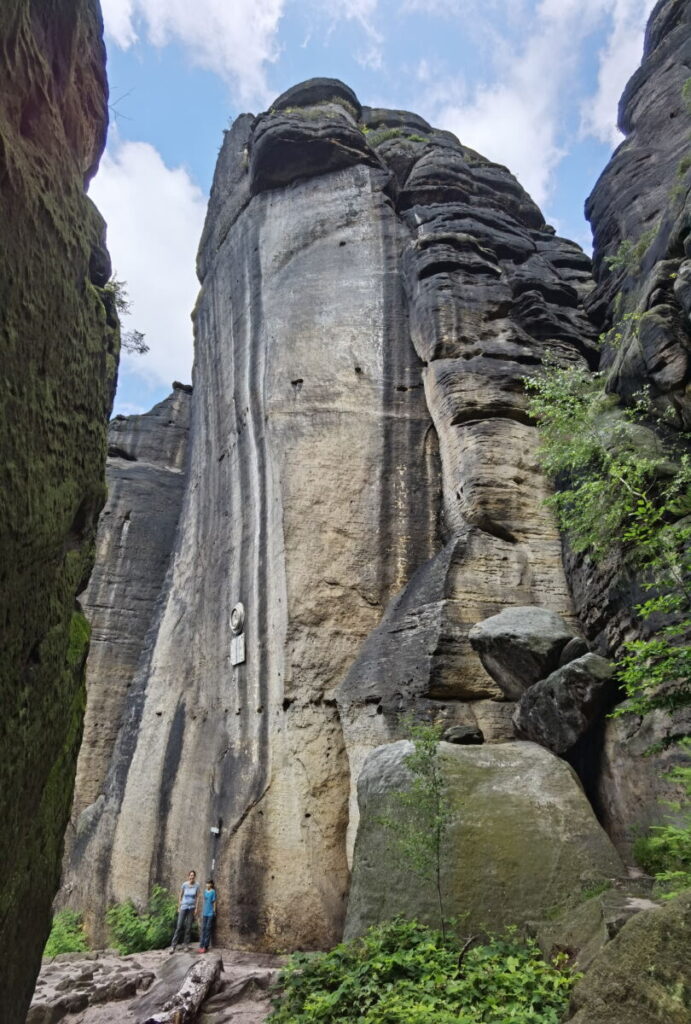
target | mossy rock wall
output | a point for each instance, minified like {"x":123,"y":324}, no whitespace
{"x":59,"y":343}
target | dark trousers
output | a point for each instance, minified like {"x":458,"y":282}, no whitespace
{"x":185,"y":918}
{"x":207,"y":925}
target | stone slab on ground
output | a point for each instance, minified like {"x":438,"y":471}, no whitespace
{"x":67,"y":986}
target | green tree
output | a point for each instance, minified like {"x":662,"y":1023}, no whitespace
{"x":418,"y":833}
{"x":132,"y":341}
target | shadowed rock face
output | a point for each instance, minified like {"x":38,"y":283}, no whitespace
{"x":59,"y":344}
{"x":136,"y":536}
{"x":362,"y":477}
{"x":641,"y":201}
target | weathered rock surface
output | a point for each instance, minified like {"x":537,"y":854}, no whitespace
{"x":644,"y":975}
{"x":558,"y":710}
{"x":519,"y":646}
{"x":104,"y":988}
{"x":146,"y":476}
{"x":521,"y":840}
{"x":582,"y":931}
{"x":641,"y":200}
{"x":59,"y":344}
{"x":363,"y":479}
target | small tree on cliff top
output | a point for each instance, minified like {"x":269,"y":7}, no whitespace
{"x":419,"y":837}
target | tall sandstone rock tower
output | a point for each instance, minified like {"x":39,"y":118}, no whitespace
{"x":59,"y":344}
{"x":362,"y":488}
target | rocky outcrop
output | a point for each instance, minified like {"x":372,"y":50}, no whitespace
{"x":59,"y":343}
{"x":644,"y":975}
{"x":363,"y":482}
{"x":557,"y":711}
{"x":103,"y":986}
{"x":640,"y":213}
{"x":521,"y":839}
{"x":520,"y":646}
{"x":145,"y":473}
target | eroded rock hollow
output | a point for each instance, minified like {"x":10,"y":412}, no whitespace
{"x":362,"y":479}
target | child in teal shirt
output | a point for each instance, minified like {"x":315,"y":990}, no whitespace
{"x":208,"y":915}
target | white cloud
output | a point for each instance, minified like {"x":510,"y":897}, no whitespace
{"x":233,"y":38}
{"x":517,"y":115}
{"x":155,"y":216}
{"x":618,"y":60}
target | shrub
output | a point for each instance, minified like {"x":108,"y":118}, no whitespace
{"x":404,"y":973}
{"x":66,"y":934}
{"x":133,"y":931}
{"x":666,"y":851}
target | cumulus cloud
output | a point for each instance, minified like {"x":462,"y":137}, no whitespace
{"x":618,"y":59}
{"x":233,"y":39}
{"x":516,"y":116}
{"x":155,"y":216}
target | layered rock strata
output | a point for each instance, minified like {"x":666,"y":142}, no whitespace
{"x":59,"y":343}
{"x":640,"y":213}
{"x":363,"y":488}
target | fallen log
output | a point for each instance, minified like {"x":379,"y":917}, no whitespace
{"x":198,"y":984}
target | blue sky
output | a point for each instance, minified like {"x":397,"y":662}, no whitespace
{"x":533,"y":84}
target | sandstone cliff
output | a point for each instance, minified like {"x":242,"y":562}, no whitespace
{"x":640,"y":213}
{"x":362,"y":480}
{"x":59,"y":342}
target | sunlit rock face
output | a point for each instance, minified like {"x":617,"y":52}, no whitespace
{"x":362,"y":479}
{"x":59,"y":346}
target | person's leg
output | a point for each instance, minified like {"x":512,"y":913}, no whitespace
{"x":177,"y":934}
{"x":206,"y":933}
{"x":188,"y":925}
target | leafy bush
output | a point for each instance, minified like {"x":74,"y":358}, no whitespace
{"x":133,"y":931}
{"x":404,"y":973}
{"x":66,"y":934}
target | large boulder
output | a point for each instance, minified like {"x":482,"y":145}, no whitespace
{"x":521,"y":841}
{"x":644,"y":975}
{"x":558,"y":710}
{"x":520,"y":645}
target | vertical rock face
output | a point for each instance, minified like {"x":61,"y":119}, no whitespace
{"x":59,"y":345}
{"x":136,"y":536}
{"x":641,"y":214}
{"x":363,"y":481}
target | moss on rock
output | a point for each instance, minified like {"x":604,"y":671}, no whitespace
{"x":60,"y":351}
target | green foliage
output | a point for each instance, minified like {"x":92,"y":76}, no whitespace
{"x":132,"y":341}
{"x":418,"y":833}
{"x":133,"y":931}
{"x":623,"y":491}
{"x":403,"y":973}
{"x":66,"y":934}
{"x":686,"y":94}
{"x":629,"y":254}
{"x":666,"y":851}
{"x":382,"y":134}
{"x":621,"y":330}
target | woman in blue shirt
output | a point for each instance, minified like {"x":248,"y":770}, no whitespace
{"x":208,"y":915}
{"x":187,"y":909}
